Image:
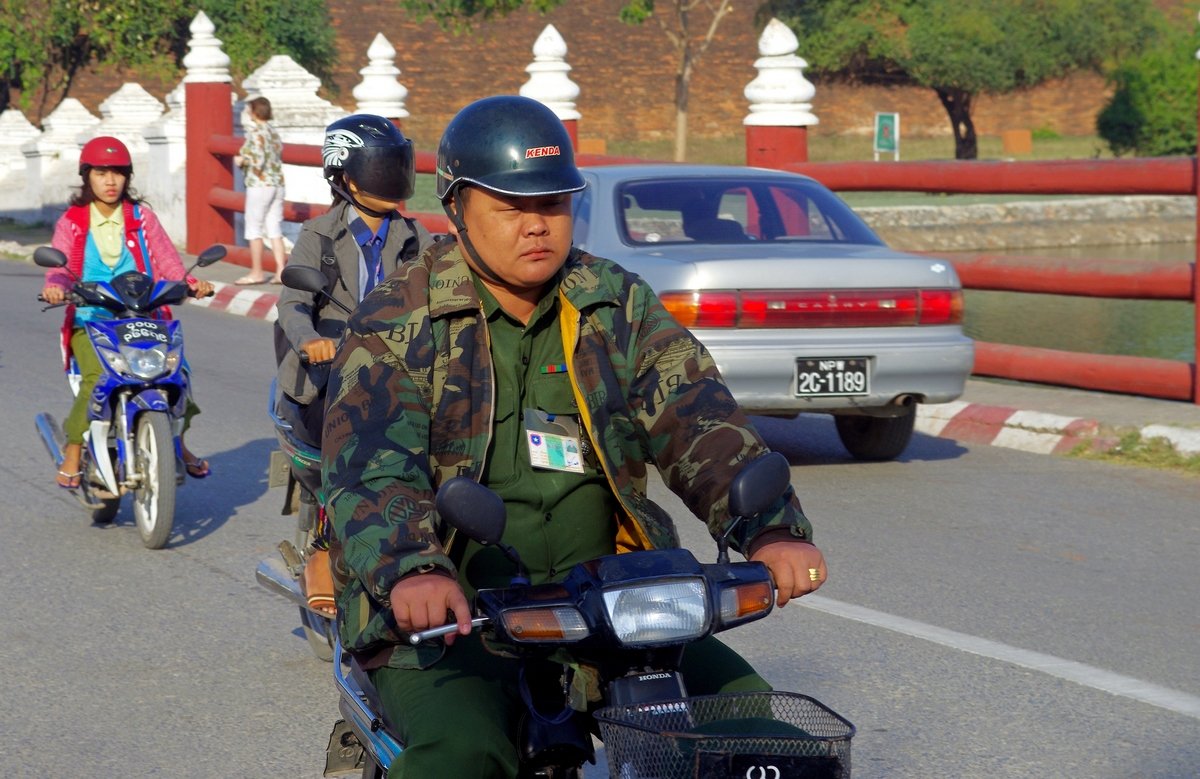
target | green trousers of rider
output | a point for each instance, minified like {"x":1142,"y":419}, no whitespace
{"x":469,"y":706}
{"x":90,"y":371}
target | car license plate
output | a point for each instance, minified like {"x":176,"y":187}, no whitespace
{"x":832,"y":376}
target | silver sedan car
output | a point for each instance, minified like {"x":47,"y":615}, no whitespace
{"x":803,"y":308}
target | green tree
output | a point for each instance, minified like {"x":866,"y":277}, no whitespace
{"x":45,"y":44}
{"x":964,"y":48}
{"x":1152,"y":111}
{"x":689,"y":25}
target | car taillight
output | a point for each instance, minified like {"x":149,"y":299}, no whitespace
{"x":815,"y":308}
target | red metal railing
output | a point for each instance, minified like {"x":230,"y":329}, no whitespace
{"x":1171,"y":379}
{"x":212,"y":201}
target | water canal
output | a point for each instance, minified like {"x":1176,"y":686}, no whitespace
{"x":1141,"y":328}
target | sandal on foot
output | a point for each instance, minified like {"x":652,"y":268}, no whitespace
{"x":249,"y":281}
{"x":198,"y":468}
{"x":73,"y":480}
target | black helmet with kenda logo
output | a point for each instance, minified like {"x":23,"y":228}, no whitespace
{"x":373,"y":153}
{"x":510,"y":145}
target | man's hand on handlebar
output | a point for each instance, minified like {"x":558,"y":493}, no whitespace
{"x":421,"y":602}
{"x":797,"y":567}
{"x":318,"y":350}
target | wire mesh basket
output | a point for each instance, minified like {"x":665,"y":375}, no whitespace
{"x":769,"y":735}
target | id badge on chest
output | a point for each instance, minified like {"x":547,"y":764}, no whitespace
{"x":554,"y":442}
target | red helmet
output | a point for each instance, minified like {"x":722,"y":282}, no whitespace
{"x":105,"y":151}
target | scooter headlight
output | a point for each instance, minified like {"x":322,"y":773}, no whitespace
{"x":145,"y":364}
{"x":660,"y":612}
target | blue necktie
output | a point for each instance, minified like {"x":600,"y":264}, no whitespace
{"x":371,"y":256}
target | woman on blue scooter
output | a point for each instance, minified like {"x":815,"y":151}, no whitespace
{"x":106,"y":231}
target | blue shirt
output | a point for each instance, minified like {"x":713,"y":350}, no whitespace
{"x":371,"y":244}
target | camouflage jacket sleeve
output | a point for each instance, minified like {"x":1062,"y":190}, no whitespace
{"x":699,"y":437}
{"x":375,"y":460}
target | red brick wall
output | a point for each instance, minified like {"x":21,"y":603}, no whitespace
{"x":626,"y":77}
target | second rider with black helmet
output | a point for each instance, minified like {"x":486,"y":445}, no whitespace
{"x":470,"y":361}
{"x":370,"y":167}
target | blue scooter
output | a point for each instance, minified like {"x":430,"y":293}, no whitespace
{"x":135,"y":414}
{"x":627,"y":617}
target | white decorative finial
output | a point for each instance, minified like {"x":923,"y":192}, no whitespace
{"x":205,"y":61}
{"x":779,"y":96}
{"x":380,"y":91}
{"x":548,"y":81}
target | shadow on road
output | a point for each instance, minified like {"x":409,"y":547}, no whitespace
{"x":812,"y":439}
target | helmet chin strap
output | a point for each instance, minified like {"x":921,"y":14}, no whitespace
{"x":352,"y":201}
{"x":464,"y":240}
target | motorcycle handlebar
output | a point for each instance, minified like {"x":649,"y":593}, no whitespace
{"x":444,"y":630}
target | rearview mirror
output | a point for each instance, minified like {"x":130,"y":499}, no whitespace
{"x":212,"y":254}
{"x":471,"y":508}
{"x":49,"y":257}
{"x":759,"y":484}
{"x":303,"y":278}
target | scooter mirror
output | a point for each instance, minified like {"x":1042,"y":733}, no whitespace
{"x":210,"y":255}
{"x":759,"y":484}
{"x":49,"y":257}
{"x":303,"y":278}
{"x":472,"y":509}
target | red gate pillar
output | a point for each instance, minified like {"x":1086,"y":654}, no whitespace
{"x":1196,"y":265}
{"x":780,"y":111}
{"x":208,"y":105}
{"x":775,"y":147}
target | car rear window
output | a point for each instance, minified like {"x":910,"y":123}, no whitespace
{"x":715,"y":210}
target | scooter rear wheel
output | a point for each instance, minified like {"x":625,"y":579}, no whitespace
{"x":154,"y":461}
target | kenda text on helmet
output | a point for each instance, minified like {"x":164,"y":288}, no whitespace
{"x":509,"y":144}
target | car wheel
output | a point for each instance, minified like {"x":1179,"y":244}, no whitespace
{"x":876,"y":438}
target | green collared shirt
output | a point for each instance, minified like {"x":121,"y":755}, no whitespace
{"x":555,"y":518}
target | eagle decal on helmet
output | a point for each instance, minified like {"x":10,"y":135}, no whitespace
{"x":337,"y":147}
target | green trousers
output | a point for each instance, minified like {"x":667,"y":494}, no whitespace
{"x":459,"y":718}
{"x":90,"y":370}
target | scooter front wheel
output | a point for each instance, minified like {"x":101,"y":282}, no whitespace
{"x":154,"y":461}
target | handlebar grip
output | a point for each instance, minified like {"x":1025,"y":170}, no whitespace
{"x":443,"y":630}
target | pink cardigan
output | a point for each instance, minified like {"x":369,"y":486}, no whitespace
{"x":70,"y":235}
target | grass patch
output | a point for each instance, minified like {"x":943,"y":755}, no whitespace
{"x":1133,"y":449}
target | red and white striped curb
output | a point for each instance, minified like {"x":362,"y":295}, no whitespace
{"x":1030,"y":431}
{"x":238,"y":300}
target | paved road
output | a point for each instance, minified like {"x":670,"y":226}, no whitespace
{"x":991,"y":612}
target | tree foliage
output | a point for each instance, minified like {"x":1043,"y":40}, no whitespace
{"x":690,"y":26}
{"x":964,"y":48}
{"x":45,"y":44}
{"x":1152,"y":111}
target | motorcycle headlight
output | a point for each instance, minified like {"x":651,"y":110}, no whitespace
{"x":659,"y":613}
{"x":145,"y":364}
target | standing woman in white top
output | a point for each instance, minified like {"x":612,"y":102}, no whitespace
{"x":261,"y":162}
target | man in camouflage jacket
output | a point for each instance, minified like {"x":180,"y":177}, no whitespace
{"x":413,"y":403}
